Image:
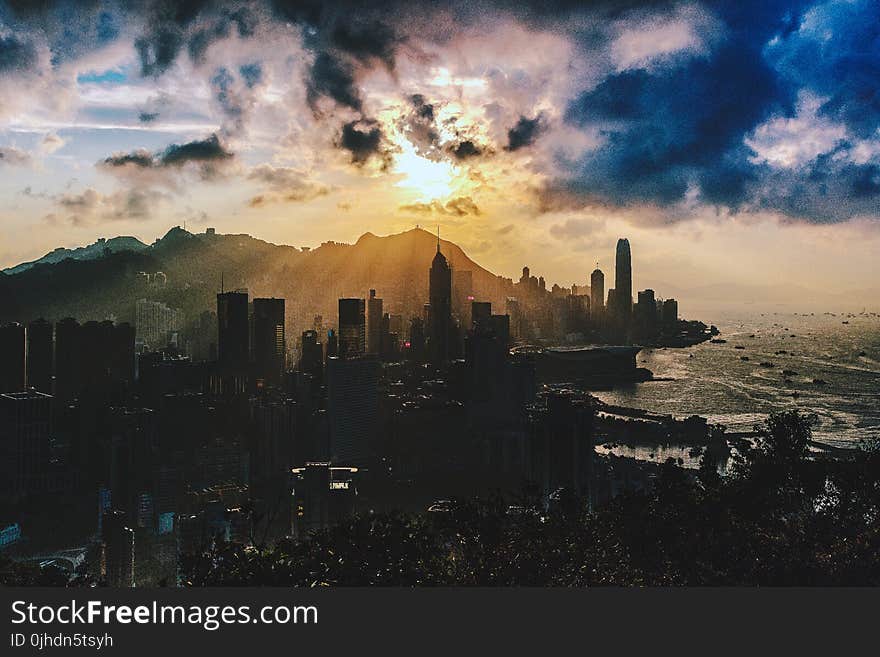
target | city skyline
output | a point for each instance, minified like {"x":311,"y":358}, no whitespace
{"x":321,"y":124}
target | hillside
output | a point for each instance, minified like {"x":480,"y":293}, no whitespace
{"x":90,"y":252}
{"x":311,"y":281}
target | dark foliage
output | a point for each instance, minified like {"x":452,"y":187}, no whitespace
{"x":781,"y":517}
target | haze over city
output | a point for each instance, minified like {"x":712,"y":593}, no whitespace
{"x":531,"y":134}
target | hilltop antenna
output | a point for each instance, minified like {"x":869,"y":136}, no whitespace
{"x":438,"y":238}
{"x":221,"y":282}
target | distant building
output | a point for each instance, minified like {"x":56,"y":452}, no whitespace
{"x":621,"y":309}
{"x":597,"y":291}
{"x":670,"y":311}
{"x":440,"y":313}
{"x":352,"y":408}
{"x":374,"y":323}
{"x":270,"y":345}
{"x":233,"y":327}
{"x":352,"y":328}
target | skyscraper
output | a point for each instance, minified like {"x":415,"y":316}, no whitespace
{"x":352,"y":408}
{"x":597,"y":291}
{"x":12,"y":373}
{"x":269,"y":341}
{"x":374,"y":324}
{"x":25,"y":427}
{"x":623,"y":279}
{"x":233,"y":331}
{"x":352,"y":327}
{"x":39,"y":355}
{"x":118,"y":540}
{"x":440,"y":298}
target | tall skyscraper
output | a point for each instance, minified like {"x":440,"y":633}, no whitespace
{"x":12,"y":372}
{"x":233,"y":331}
{"x":352,"y":327}
{"x":623,"y":279}
{"x":352,"y":408}
{"x":39,"y":355}
{"x":440,"y":298}
{"x":25,"y":427}
{"x":270,"y":346}
{"x":374,"y":324}
{"x":597,"y":291}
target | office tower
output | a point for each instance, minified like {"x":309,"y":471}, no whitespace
{"x":374,"y":324}
{"x":311,"y":358}
{"x":25,"y":426}
{"x":623,"y":279}
{"x":481,"y":312}
{"x":270,"y":346}
{"x":440,"y":314}
{"x":670,"y":311}
{"x":352,"y":328}
{"x":323,"y":496}
{"x":645,"y":314}
{"x":118,"y":540}
{"x":597,"y":291}
{"x":12,"y":351}
{"x":352,"y":408}
{"x":39,"y":355}
{"x":233,"y":331}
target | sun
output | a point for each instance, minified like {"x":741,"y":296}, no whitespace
{"x":428,"y":179}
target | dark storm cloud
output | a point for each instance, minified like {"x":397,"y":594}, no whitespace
{"x":525,"y":132}
{"x":139,"y":158}
{"x":207,"y":153}
{"x":206,"y":150}
{"x":668,"y":131}
{"x":465,"y":149}
{"x":334,"y":78}
{"x":363,"y":139}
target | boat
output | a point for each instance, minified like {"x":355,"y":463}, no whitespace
{"x":862,"y":354}
{"x":789,"y":373}
{"x":767,"y":363}
{"x":718,"y":341}
{"x":743,"y":357}
{"x":739,"y":346}
{"x":820,"y":382}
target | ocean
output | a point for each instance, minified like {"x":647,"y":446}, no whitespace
{"x":712,"y":380}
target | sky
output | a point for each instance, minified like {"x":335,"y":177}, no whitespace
{"x":736,"y":143}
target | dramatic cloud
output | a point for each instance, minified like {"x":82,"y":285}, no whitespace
{"x":285,"y":185}
{"x":461,"y":206}
{"x":363,"y":139}
{"x":91,"y":206}
{"x":207,"y":155}
{"x":525,"y":132}
{"x":16,"y":55}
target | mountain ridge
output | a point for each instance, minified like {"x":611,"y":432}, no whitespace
{"x":311,"y":280}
